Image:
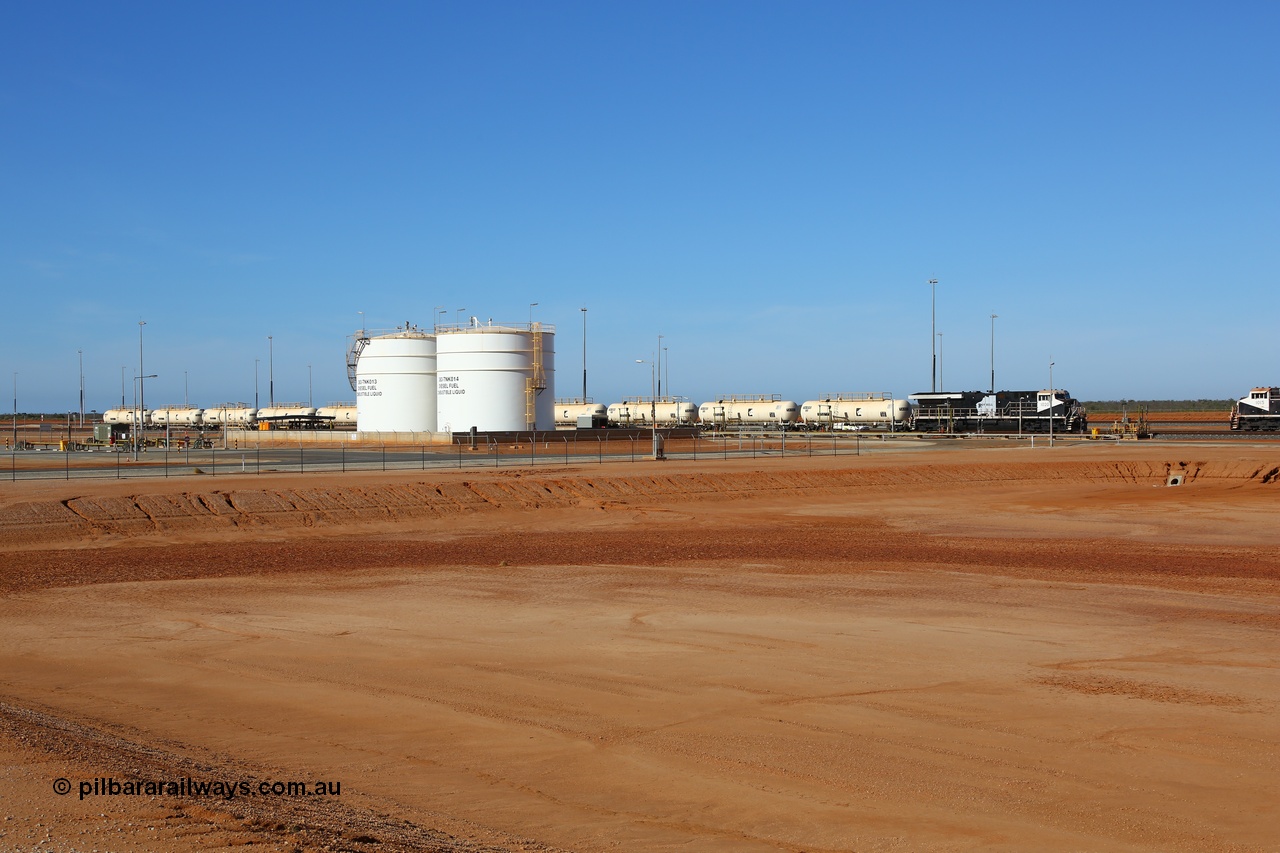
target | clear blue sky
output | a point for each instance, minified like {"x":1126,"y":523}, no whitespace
{"x":768,"y":185}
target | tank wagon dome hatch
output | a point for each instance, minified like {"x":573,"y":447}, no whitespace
{"x":496,"y":377}
{"x":393,"y":373}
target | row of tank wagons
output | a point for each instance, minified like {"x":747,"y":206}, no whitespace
{"x":236,"y":414}
{"x":1258,"y":411}
{"x":952,"y":411}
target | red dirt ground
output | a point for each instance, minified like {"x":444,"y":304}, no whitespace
{"x":923,"y":648}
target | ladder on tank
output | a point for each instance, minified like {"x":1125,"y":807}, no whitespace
{"x":536,"y":382}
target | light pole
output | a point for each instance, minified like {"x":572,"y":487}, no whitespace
{"x":460,"y":310}
{"x":933,"y":290}
{"x":1052,"y":401}
{"x":941,"y":381}
{"x":584,"y":355}
{"x":122,"y":367}
{"x":255,"y":383}
{"x":15,"y":410}
{"x":139,"y":413}
{"x":361,"y":313}
{"x":186,"y":400}
{"x":271,"y":372}
{"x":80,"y":353}
{"x":309,"y":403}
{"x":140,"y":424}
{"x":993,"y":352}
{"x":666,"y":362}
{"x":440,"y":312}
{"x":659,"y":351}
{"x":653,"y":402}
{"x":532,"y":305}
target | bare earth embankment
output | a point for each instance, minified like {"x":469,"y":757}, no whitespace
{"x":925,"y":649}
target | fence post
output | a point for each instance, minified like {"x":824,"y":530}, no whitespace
{"x":566,"y":449}
{"x":302,"y":463}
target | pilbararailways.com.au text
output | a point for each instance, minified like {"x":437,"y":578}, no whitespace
{"x":227,"y":789}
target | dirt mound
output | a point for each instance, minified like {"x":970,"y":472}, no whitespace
{"x":332,"y":504}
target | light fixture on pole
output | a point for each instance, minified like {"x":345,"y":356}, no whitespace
{"x":439,"y":309}
{"x":532,"y":305}
{"x":361,"y":313}
{"x":460,"y":310}
{"x":584,"y":355}
{"x":933,"y":290}
{"x":993,"y":352}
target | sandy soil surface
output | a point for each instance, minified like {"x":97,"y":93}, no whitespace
{"x":928,"y":648}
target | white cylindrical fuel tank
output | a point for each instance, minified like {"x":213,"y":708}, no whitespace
{"x":754,"y":411}
{"x":496,"y":378}
{"x":121,"y":416}
{"x":641,"y":411}
{"x":177,"y":416}
{"x":868,"y":409}
{"x":341,"y":414}
{"x":568,"y":412}
{"x":396,"y":383}
{"x":230,"y":414}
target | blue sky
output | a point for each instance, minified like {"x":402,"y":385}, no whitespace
{"x":767,"y":185}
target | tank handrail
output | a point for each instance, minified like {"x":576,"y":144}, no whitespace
{"x":855,"y":398}
{"x":491,"y":326}
{"x":747,"y":398}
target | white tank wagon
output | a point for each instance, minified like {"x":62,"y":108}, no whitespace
{"x":339,"y":414}
{"x":856,"y":409}
{"x":640,"y":411}
{"x":230,"y":414}
{"x":177,"y":416}
{"x":123,"y":416}
{"x":757,"y":410}
{"x":496,"y":378}
{"x":395,"y":381}
{"x":286,"y":412}
{"x":569,"y":411}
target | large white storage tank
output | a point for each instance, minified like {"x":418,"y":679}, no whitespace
{"x":496,"y":378}
{"x":395,"y":379}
